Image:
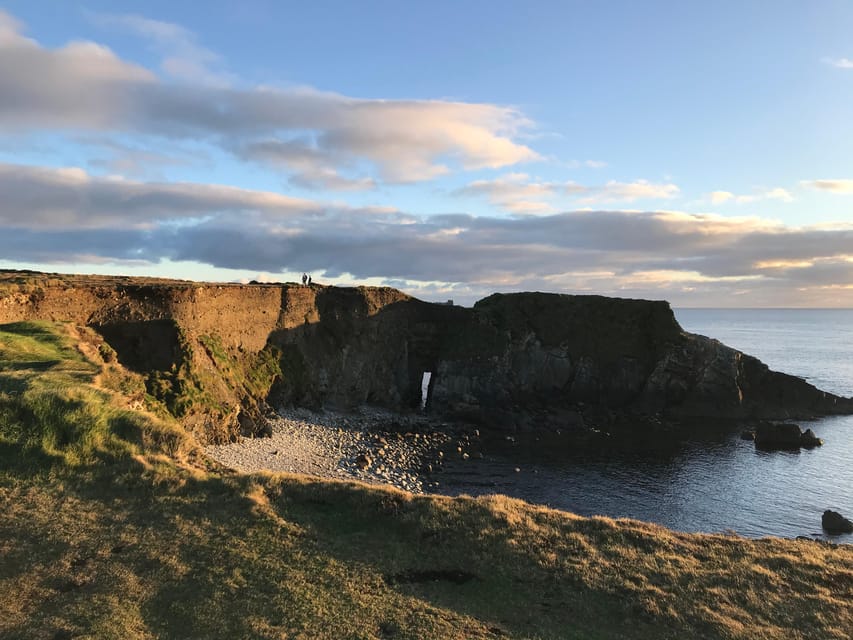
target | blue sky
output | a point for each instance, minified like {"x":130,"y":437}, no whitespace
{"x":698,"y":152}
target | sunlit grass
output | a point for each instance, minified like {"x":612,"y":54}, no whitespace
{"x":51,"y":407}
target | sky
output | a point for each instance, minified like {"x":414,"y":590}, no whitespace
{"x":700,"y":153}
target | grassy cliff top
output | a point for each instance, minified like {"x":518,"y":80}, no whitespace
{"x":113,"y":527}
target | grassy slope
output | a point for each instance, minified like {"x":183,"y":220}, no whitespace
{"x":105,"y":536}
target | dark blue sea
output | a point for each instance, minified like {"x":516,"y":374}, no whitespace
{"x":710,"y":480}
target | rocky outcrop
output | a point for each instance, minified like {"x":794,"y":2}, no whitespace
{"x":770,"y":436}
{"x":216,"y":352}
{"x":534,"y":358}
{"x":834,"y":523}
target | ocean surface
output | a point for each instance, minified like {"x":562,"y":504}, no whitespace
{"x":711,"y":480}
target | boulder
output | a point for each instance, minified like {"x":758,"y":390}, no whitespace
{"x":773,"y":435}
{"x":786,"y":435}
{"x":809,"y":440}
{"x":834,"y":523}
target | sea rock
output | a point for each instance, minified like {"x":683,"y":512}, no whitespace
{"x":362,"y":461}
{"x":786,"y":435}
{"x":809,"y":440}
{"x":834,"y":523}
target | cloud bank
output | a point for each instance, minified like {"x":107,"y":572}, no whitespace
{"x":519,"y":193}
{"x":63,"y":215}
{"x":315,"y":135}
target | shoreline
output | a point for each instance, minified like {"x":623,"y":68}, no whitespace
{"x":424,"y":456}
{"x":370,"y":445}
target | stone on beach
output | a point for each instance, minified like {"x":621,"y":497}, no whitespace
{"x":371,"y":445}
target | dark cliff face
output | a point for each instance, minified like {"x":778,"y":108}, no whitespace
{"x":215,"y":352}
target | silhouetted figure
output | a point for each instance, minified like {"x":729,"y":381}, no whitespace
{"x":309,"y":281}
{"x":304,"y":279}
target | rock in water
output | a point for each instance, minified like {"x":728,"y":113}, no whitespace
{"x":770,"y":435}
{"x":833,"y":522}
{"x":809,"y":440}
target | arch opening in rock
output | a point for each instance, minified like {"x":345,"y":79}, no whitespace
{"x":426,"y":389}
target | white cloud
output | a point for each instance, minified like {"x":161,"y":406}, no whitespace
{"x":514,"y":192}
{"x":778,"y":194}
{"x":518,"y":193}
{"x":615,"y":191}
{"x":84,"y":86}
{"x":840,"y":63}
{"x":69,"y":198}
{"x":182,"y":56}
{"x":722,"y":197}
{"x":719,"y":197}
{"x":842,"y":186}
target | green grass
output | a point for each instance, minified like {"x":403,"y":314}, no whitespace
{"x":105,"y":535}
{"x":52,"y":410}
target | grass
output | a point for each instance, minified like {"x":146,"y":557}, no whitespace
{"x":52,"y":410}
{"x":109,"y":533}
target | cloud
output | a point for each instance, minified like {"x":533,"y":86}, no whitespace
{"x":514,"y":192}
{"x":778,"y":194}
{"x":722,"y":197}
{"x":835,"y":186}
{"x":183,"y":57}
{"x":85,"y":86}
{"x":59,"y":216}
{"x":615,"y":191}
{"x":719,"y":197}
{"x":70,"y":198}
{"x":310,"y":166}
{"x":132,"y":159}
{"x":840,"y":63}
{"x":518,"y":193}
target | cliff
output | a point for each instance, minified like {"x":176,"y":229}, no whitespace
{"x":214,"y":354}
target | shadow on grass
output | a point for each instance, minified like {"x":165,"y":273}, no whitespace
{"x":194,"y":555}
{"x":460,"y":555}
{"x":228,"y":556}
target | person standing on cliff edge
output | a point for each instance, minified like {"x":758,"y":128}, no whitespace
{"x":309,"y":281}
{"x":304,"y":279}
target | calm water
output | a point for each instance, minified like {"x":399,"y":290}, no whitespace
{"x":711,"y":481}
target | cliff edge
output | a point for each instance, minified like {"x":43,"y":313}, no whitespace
{"x":216,"y":354}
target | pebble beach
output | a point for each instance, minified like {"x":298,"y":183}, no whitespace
{"x":369,"y":445}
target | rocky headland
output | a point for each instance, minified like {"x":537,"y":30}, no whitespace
{"x":219,"y":355}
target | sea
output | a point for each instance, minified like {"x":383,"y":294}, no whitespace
{"x":709,"y":479}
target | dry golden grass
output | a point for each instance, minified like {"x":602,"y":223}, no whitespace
{"x":121,"y":541}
